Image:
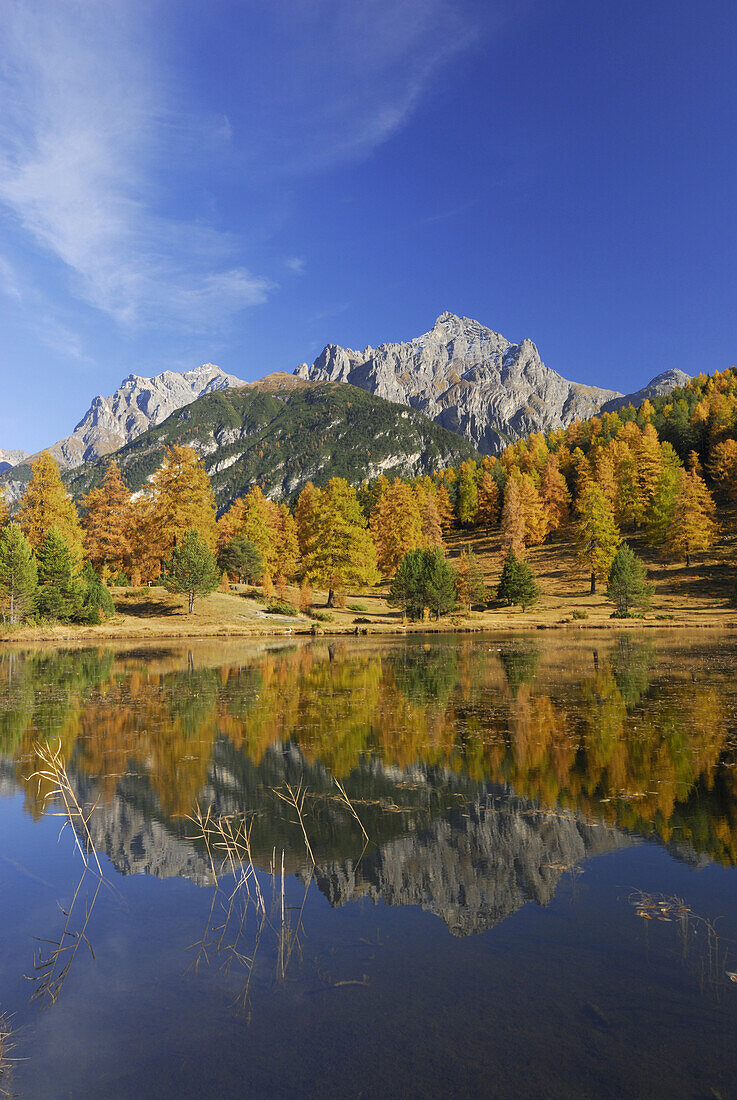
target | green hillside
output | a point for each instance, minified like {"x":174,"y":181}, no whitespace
{"x":282,"y":433}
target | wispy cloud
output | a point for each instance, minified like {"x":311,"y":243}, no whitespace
{"x":348,"y":76}
{"x":81,"y":122}
{"x":295,"y":264}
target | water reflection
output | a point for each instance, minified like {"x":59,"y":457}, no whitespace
{"x":482,"y":771}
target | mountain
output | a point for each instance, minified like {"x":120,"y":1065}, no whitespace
{"x":281,"y":432}
{"x":111,"y":422}
{"x":136,"y":405}
{"x":468,"y":378}
{"x":8,"y":459}
{"x":663,"y":383}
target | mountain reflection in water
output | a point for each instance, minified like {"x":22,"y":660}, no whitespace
{"x":482,"y":771}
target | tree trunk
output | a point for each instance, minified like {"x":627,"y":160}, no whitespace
{"x":593,"y":583}
{"x":688,"y":561}
{"x":331,"y":598}
{"x":191,"y":602}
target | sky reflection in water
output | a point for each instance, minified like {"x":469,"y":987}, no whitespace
{"x":489,"y":939}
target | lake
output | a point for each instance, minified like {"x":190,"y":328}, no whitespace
{"x":437,"y":865}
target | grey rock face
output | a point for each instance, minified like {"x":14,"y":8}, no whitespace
{"x":474,"y":869}
{"x":663,"y":383}
{"x":137,"y":404}
{"x":468,"y":378}
{"x":8,"y":459}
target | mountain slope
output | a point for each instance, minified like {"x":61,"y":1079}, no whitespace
{"x":661,"y":384}
{"x":136,"y":405}
{"x":282,"y":432}
{"x":468,"y":378}
{"x":8,"y":459}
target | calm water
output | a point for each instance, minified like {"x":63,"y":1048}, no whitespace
{"x":546,"y":905}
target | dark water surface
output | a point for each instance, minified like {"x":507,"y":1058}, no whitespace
{"x":546,"y":905}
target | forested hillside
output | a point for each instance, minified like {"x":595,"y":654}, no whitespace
{"x":283,"y":432}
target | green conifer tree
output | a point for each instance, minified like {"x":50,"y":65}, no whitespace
{"x":18,"y":575}
{"x":60,"y":593}
{"x":628,"y":585}
{"x":192,"y":569}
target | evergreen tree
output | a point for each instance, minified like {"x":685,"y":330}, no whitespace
{"x":47,"y":504}
{"x":597,"y":534}
{"x":107,"y":522}
{"x":241,"y":558}
{"x":60,"y":593}
{"x":192,"y":569}
{"x":338,"y":549}
{"x":439,"y":582}
{"x":407,"y":589}
{"x":628,"y":585}
{"x":396,"y":525}
{"x":517,"y":584}
{"x":96,"y":603}
{"x":18,"y":575}
{"x":693,"y":525}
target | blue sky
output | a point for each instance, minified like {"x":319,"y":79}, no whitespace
{"x":242,"y":182}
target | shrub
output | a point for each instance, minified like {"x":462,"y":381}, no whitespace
{"x":281,"y":607}
{"x":580,"y":614}
{"x":357,"y":607}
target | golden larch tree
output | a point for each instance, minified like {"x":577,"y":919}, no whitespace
{"x":513,"y":527}
{"x":554,"y":494}
{"x":182,"y":500}
{"x":488,"y":510}
{"x":107,"y":522}
{"x":47,"y":504}
{"x":536,"y":520}
{"x":396,"y":525}
{"x":597,"y":534}
{"x":339,"y":549}
{"x":693,"y":526}
{"x":305,"y":515}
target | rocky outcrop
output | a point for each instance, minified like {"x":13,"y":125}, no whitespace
{"x":469,"y":379}
{"x":136,"y":405}
{"x":8,"y":459}
{"x":476,"y":867}
{"x":663,"y":383}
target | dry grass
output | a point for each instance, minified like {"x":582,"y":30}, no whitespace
{"x":54,"y":960}
{"x":699,"y":596}
{"x":6,"y":1062}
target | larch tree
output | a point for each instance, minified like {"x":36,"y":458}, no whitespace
{"x":430,"y":519}
{"x":182,"y":500}
{"x":536,"y":519}
{"x":723,"y":468}
{"x":305,"y":515}
{"x":47,"y":504}
{"x":445,"y":508}
{"x":286,"y":557}
{"x":554,"y":494}
{"x":4,"y":517}
{"x":396,"y":525}
{"x":339,"y":549}
{"x":470,"y":584}
{"x":659,"y":514}
{"x":107,"y":522}
{"x":488,"y":501}
{"x":513,"y":528}
{"x":597,"y":534}
{"x":693,"y":527}
{"x":467,"y":502}
{"x":18,"y":574}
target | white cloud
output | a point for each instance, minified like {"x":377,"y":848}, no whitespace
{"x":82,"y":121}
{"x":295,"y":264}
